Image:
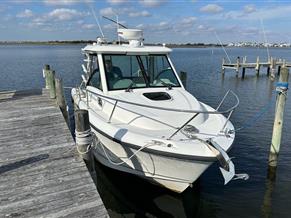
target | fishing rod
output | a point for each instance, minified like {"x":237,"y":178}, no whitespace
{"x":222,"y":46}
{"x":96,"y":19}
{"x":107,"y":18}
{"x":265,"y":38}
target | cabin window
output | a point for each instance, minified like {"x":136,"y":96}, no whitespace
{"x":94,"y":78}
{"x":123,"y":72}
{"x":138,"y":71}
{"x":159,"y":71}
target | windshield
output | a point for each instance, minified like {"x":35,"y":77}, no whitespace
{"x":138,"y":71}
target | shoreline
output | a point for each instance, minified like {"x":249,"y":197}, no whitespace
{"x":78,"y":42}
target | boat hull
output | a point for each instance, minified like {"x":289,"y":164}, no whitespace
{"x":171,"y":172}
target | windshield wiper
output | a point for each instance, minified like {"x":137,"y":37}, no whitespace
{"x":129,"y":88}
{"x":166,"y":84}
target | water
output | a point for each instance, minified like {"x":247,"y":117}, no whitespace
{"x":127,"y":196}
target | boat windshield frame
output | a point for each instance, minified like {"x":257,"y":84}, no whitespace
{"x":143,"y":71}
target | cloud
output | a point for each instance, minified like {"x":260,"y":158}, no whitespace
{"x":151,"y":3}
{"x":131,"y":12}
{"x":201,"y":27}
{"x":112,"y":26}
{"x":107,"y":12}
{"x":249,"y":9}
{"x":139,"y":14}
{"x":89,"y":26}
{"x":159,"y":27}
{"x":211,"y":8}
{"x":64,"y":14}
{"x":25,"y":14}
{"x":117,"y":2}
{"x":80,"y":22}
{"x":188,"y":20}
{"x":58,"y":19}
{"x":60,"y":2}
{"x":184,"y":25}
{"x":205,"y":28}
{"x":109,"y":26}
{"x":265,"y":13}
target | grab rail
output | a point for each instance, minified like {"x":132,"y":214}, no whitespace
{"x":197,"y":112}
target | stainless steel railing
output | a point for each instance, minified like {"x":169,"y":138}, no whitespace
{"x":229,"y":111}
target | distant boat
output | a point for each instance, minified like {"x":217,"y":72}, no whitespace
{"x":144,"y":121}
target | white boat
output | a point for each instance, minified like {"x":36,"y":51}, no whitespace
{"x":144,"y":121}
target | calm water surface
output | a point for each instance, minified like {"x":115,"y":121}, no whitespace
{"x":128,"y":196}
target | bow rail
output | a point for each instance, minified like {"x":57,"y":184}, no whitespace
{"x":228,"y":111}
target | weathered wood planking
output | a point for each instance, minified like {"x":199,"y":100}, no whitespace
{"x":40,"y":173}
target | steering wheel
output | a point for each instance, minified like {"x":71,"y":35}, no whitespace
{"x":161,"y":72}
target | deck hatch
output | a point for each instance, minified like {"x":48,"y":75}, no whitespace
{"x":157,"y":96}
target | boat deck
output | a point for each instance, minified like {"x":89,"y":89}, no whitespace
{"x":40,"y":173}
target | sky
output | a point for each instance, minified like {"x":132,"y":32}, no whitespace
{"x":163,"y":21}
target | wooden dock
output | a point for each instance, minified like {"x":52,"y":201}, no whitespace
{"x":41,"y":175}
{"x":274,"y":65}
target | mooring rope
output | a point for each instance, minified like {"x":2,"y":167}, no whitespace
{"x":281,"y":89}
{"x":253,"y":120}
{"x":84,"y":138}
{"x":127,"y":158}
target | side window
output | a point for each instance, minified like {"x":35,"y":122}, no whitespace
{"x":95,"y":80}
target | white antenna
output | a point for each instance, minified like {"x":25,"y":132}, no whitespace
{"x":117,"y":25}
{"x":265,"y":38}
{"x":222,"y":47}
{"x":96,"y":19}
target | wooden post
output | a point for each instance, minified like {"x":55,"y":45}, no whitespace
{"x":244,"y":59}
{"x":183,"y":77}
{"x":51,"y":83}
{"x":270,"y":186}
{"x":273,"y":67}
{"x":258,"y":66}
{"x":237,"y":66}
{"x":45,"y":72}
{"x":223,"y":69}
{"x":61,"y":99}
{"x":278,"y":122}
{"x":243,"y":73}
{"x":83,"y":134}
{"x":284,"y":63}
{"x":279,"y":70}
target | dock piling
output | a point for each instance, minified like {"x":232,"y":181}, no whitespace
{"x":243,"y":72}
{"x":268,"y":71}
{"x":273,"y":67}
{"x":258,"y":66}
{"x":83,"y":134}
{"x":279,"y":70}
{"x":223,"y":69}
{"x":282,"y":88}
{"x":45,"y":72}
{"x":183,"y":77}
{"x":237,"y":66}
{"x":51,"y":83}
{"x":61,"y":98}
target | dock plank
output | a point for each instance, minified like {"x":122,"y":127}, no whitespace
{"x":41,"y":174}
